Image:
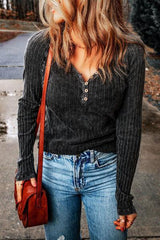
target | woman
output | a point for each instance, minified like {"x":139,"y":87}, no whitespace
{"x":93,"y":116}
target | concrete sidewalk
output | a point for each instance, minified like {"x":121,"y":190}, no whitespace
{"x":145,"y":186}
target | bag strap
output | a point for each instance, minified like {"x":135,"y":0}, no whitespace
{"x":41,"y":121}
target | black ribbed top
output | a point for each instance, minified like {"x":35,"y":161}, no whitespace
{"x":83,"y":115}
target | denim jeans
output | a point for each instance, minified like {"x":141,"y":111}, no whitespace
{"x":90,"y":177}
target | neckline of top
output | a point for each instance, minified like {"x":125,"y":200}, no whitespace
{"x":73,"y":69}
{"x":95,"y":74}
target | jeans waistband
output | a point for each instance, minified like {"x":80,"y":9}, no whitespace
{"x":87,"y":153}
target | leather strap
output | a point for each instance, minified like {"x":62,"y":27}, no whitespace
{"x":41,"y":121}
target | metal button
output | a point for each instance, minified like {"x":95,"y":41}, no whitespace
{"x":86,"y":90}
{"x":86,"y":83}
{"x":85,"y":98}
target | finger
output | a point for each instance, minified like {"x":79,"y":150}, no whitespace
{"x":116,"y":222}
{"x":122,"y":223}
{"x":128,"y":225}
{"x":33,"y":182}
{"x":19,"y":192}
{"x":129,"y":222}
{"x":118,"y":228}
{"x":19,"y":187}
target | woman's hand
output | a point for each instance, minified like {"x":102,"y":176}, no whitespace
{"x":19,"y":186}
{"x":125,"y":221}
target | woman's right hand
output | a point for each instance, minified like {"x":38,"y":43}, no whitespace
{"x":19,"y":186}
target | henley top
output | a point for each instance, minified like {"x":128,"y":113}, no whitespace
{"x":83,"y":115}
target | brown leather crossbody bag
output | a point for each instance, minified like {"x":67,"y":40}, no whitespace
{"x":33,"y":208}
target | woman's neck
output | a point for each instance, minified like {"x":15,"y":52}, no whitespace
{"x":77,"y":41}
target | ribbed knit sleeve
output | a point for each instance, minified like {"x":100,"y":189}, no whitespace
{"x":28,"y":106}
{"x":128,"y":130}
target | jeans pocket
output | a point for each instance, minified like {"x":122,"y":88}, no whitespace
{"x":105,"y":159}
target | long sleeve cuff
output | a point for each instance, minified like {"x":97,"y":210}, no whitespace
{"x":124,"y":203}
{"x":25,"y":169}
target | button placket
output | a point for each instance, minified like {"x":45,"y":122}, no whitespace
{"x":84,"y":97}
{"x":85,"y":90}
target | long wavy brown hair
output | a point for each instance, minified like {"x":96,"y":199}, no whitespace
{"x":100,"y":22}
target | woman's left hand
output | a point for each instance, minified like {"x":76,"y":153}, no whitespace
{"x":125,"y":221}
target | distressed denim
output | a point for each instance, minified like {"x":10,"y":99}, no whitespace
{"x":91,"y":177}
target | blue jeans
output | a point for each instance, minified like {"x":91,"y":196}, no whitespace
{"x":90,"y":177}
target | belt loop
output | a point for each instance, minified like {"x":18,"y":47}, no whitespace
{"x":92,"y":155}
{"x":75,"y":157}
